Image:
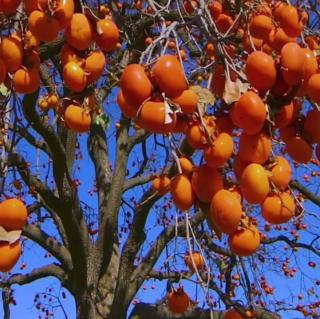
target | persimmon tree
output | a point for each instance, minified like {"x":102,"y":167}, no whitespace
{"x":200,"y":121}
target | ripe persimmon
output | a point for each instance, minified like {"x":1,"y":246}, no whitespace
{"x":187,"y":100}
{"x":255,"y":148}
{"x":77,"y":118}
{"x":260,"y":26}
{"x":153,"y":118}
{"x":11,"y":52}
{"x":249,"y":113}
{"x":10,"y":254}
{"x":3,"y":71}
{"x":74,"y":77}
{"x":261,"y":71}
{"x":13,"y":214}
{"x":94,"y":66}
{"x":182,"y":192}
{"x":313,"y":87}
{"x":161,"y":184}
{"x":178,"y":301}
{"x":43,"y":26}
{"x":312,"y":125}
{"x":220,"y":151}
{"x":254,"y":183}
{"x":278,"y":208}
{"x":292,"y":69}
{"x":197,"y":259}
{"x":186,"y":166}
{"x":288,"y":113}
{"x":299,"y":149}
{"x":135,"y":84}
{"x":232,"y":314}
{"x":107,"y":34}
{"x":281,"y":173}
{"x":225,"y":211}
{"x":169,"y":75}
{"x":223,"y":22}
{"x":245,"y":242}
{"x":9,"y":6}
{"x":79,"y":32}
{"x":128,"y":110}
{"x":197,"y":135}
{"x":238,"y":166}
{"x":26,"y":81}
{"x":206,"y":181}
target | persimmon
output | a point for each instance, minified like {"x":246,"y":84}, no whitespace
{"x":77,"y":118}
{"x":79,"y":32}
{"x":197,"y":135}
{"x":32,"y":5}
{"x":215,"y":8}
{"x":31,"y":42}
{"x":249,"y":43}
{"x":13,"y":214}
{"x":299,"y":149}
{"x":187,"y":100}
{"x":312,"y":125}
{"x":260,"y":26}
{"x":280,"y":88}
{"x":10,"y":254}
{"x":135,"y":84}
{"x":9,"y":6}
{"x":224,"y":22}
{"x":197,"y":259}
{"x":255,"y":148}
{"x":278,"y":38}
{"x":68,"y":54}
{"x":249,"y":113}
{"x":292,"y":69}
{"x":107,"y":34}
{"x":178,"y":301}
{"x":169,"y":75}
{"x":74,"y":77}
{"x":287,"y":132}
{"x":245,"y":242}
{"x":220,"y":151}
{"x":94,"y":66}
{"x":278,"y":208}
{"x":186,"y":166}
{"x":288,"y":113}
{"x":310,"y":64}
{"x":3,"y":71}
{"x":208,"y":176}
{"x":11,"y":52}
{"x":313,"y":87}
{"x":261,"y":71}
{"x":289,"y":20}
{"x":153,"y":118}
{"x":233,"y":314}
{"x":128,"y":110}
{"x":281,"y":173}
{"x":182,"y":192}
{"x":26,"y":81}
{"x":63,"y":11}
{"x":32,"y":61}
{"x":161,"y":184}
{"x":238,"y":166}
{"x":43,"y":26}
{"x":225,"y":211}
{"x":254,"y":183}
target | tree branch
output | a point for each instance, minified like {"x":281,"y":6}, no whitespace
{"x":57,"y":250}
{"x":306,"y":192}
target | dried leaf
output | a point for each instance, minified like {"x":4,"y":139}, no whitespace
{"x":4,"y":91}
{"x":205,"y":95}
{"x":168,"y":111}
{"x":233,"y":90}
{"x":9,"y":236}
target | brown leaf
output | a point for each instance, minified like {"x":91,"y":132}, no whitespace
{"x":205,"y":95}
{"x":233,"y":90}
